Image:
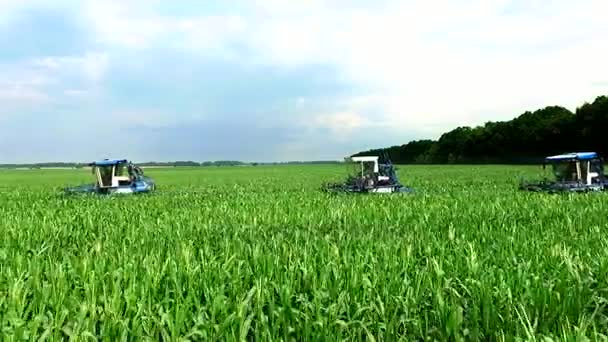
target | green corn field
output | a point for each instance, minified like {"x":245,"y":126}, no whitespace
{"x":259,"y":253}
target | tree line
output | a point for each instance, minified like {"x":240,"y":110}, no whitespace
{"x":526,"y":139}
{"x":164,"y":164}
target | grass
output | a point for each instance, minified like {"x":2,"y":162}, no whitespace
{"x":258,"y":253}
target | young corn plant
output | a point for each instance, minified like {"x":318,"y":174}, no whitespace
{"x":258,"y":253}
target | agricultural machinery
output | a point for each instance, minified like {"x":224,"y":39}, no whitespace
{"x":573,"y":172}
{"x":117,"y":176}
{"x":367,"y":175}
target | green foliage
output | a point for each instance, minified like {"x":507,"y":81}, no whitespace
{"x":260,"y":254}
{"x":525,"y":139}
{"x":412,"y":152}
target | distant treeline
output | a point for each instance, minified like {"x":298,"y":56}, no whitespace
{"x":525,"y":139}
{"x":231,"y":163}
{"x":43,"y":165}
{"x":302,"y":162}
{"x":193,"y":163}
{"x":164,"y":164}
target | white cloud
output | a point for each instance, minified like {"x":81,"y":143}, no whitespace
{"x":7,"y":8}
{"x":37,"y":82}
{"x":75,"y":92}
{"x":147,"y":118}
{"x":22,"y":94}
{"x":22,"y":85}
{"x":341,"y":124}
{"x":430,"y":65}
{"x":420,"y":66}
{"x":437,"y":64}
{"x":94,"y":65}
{"x":91,"y":66}
{"x":134,"y":24}
{"x":123,"y":23}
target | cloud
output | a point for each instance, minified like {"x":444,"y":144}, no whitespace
{"x":92,"y":66}
{"x":301,"y":80}
{"x":31,"y":29}
{"x":121,"y":23}
{"x":22,"y":86}
{"x":135,"y":25}
{"x":44,"y":81}
{"x":340,"y":124}
{"x":436,"y":64}
{"x":20,"y":94}
{"x":75,"y":92}
{"x":405,"y":52}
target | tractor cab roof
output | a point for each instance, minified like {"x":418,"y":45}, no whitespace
{"x":108,"y":162}
{"x":573,"y":156}
{"x":364,"y":159}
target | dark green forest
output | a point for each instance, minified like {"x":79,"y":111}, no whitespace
{"x":526,"y":139}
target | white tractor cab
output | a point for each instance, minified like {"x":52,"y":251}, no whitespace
{"x":368,"y":169}
{"x":584,"y":168}
{"x":368,"y":175}
{"x":573,"y":172}
{"x":116,"y":176}
{"x":111,"y":173}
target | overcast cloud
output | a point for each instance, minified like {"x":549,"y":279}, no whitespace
{"x":270,"y":80}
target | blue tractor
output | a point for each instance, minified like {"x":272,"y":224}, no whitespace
{"x":116,"y":176}
{"x":369,"y":176}
{"x":573,"y":172}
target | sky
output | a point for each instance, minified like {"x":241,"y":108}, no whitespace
{"x":279,"y":80}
